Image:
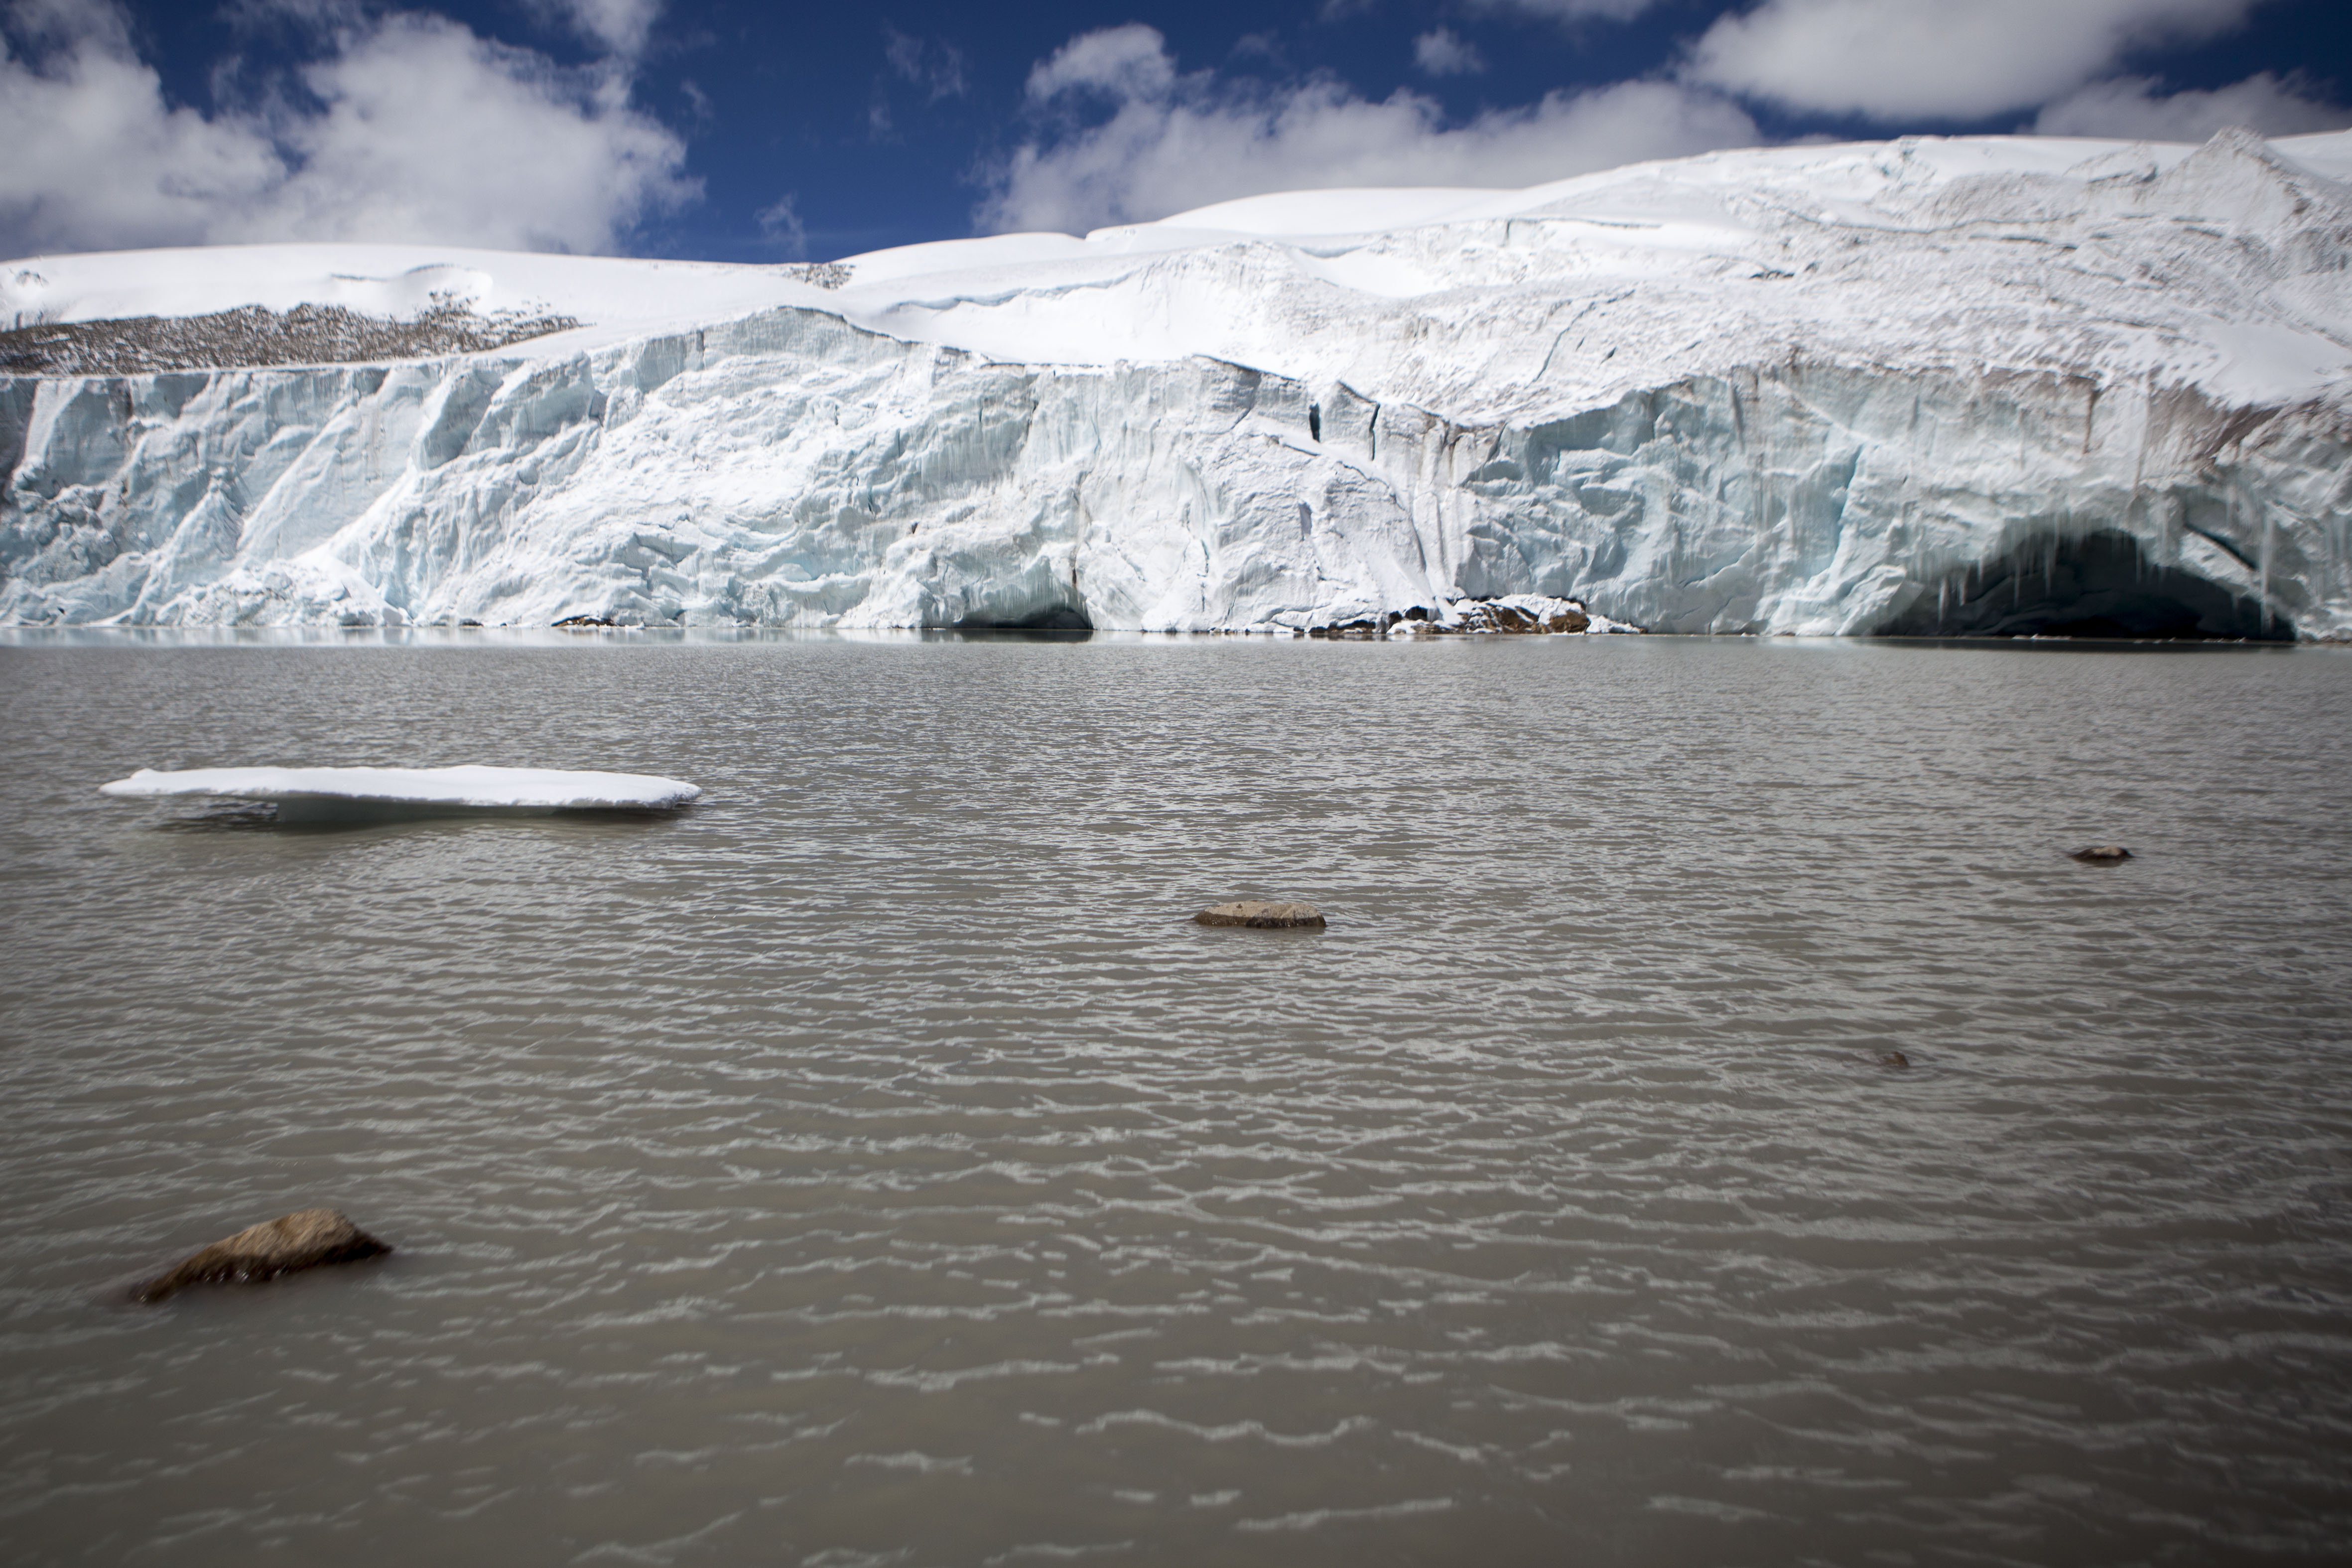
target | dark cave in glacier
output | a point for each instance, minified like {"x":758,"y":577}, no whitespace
{"x":2091,"y":585}
{"x":1056,"y":621}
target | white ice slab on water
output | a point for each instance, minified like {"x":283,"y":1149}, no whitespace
{"x":1802,"y":389}
{"x":472,"y":788}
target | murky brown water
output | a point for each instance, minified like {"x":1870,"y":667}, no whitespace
{"x":873,"y":1166}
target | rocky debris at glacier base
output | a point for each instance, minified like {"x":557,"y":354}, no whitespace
{"x":1506,"y":615}
{"x":1985,"y":386}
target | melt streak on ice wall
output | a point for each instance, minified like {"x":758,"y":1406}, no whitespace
{"x":1790,"y":391}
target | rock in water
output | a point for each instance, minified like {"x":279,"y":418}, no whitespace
{"x":2102,"y":854}
{"x":304,"y":1240}
{"x":1262,"y":915}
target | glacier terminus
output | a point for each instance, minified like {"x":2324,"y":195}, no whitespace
{"x":1983,"y":385}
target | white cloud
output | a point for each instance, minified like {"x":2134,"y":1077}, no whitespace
{"x":95,"y":158}
{"x":412,"y":127}
{"x":1266,"y":46}
{"x":1444,"y":52}
{"x":2133,"y":109}
{"x":319,"y":15}
{"x":430,"y":131}
{"x":932,"y":64}
{"x":1129,"y":61}
{"x":1955,"y":59}
{"x":780,"y":225}
{"x":621,"y":26}
{"x":1174,"y":142}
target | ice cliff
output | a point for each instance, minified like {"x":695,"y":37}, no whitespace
{"x":1983,"y":384}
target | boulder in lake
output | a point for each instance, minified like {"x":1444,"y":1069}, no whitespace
{"x":1261,"y":915}
{"x":306,"y":1239}
{"x":2103,"y":855}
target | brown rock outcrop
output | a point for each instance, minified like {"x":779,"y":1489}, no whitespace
{"x":306,"y":1239}
{"x":1262,"y":915}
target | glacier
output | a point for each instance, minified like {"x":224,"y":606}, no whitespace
{"x":1927,"y":386}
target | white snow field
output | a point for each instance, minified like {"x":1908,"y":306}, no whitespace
{"x":472,"y":788}
{"x":1928,"y":385}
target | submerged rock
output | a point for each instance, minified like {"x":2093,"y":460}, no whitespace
{"x":306,"y":1239}
{"x":1891,"y":1059}
{"x":2103,"y":855}
{"x":1262,"y":915}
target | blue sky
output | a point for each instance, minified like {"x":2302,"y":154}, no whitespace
{"x":733,"y":131}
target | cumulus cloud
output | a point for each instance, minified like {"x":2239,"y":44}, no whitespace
{"x":2137,"y":109}
{"x":411,"y":127}
{"x":96,"y":159}
{"x":1444,"y":52}
{"x":1173,"y":142}
{"x":1906,"y":60}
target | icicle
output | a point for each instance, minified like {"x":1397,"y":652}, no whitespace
{"x":2266,"y":556}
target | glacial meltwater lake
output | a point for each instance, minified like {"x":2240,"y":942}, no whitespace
{"x":872,"y":1164}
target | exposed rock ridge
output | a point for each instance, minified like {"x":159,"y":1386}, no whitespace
{"x":308,"y":1238}
{"x":252,"y":336}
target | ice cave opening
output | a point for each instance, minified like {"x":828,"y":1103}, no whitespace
{"x":2091,"y":585}
{"x":1055,"y":620}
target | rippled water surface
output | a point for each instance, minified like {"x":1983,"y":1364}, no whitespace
{"x":873,"y":1165}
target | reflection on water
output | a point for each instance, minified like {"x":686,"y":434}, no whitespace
{"x":331,"y":815}
{"x":875,"y":1164}
{"x":218,"y":816}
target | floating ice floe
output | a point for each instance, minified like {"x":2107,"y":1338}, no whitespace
{"x":425,"y":791}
